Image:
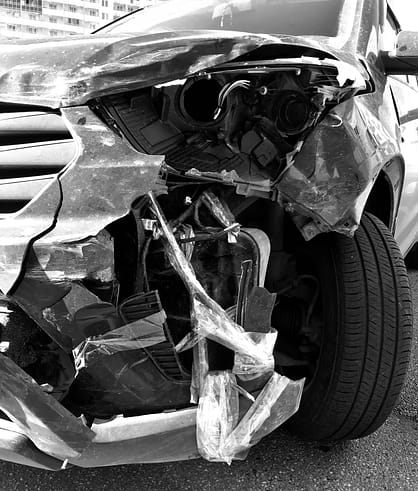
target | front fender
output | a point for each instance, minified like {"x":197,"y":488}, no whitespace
{"x":333,"y":174}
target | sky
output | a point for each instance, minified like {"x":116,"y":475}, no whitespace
{"x":407,"y":13}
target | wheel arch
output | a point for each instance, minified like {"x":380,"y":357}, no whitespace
{"x":383,"y":199}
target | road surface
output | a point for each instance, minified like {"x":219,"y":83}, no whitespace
{"x":388,"y":459}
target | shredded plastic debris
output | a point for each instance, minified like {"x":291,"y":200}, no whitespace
{"x":245,"y":367}
{"x":217,"y":414}
{"x":221,"y":436}
{"x":139,"y":334}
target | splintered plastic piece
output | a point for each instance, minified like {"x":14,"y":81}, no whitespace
{"x":51,"y":427}
{"x":200,"y":369}
{"x":245,"y":367}
{"x":276,"y":403}
{"x":220,"y":437}
{"x":217,"y":414}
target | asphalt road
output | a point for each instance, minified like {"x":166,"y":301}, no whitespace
{"x":388,"y":459}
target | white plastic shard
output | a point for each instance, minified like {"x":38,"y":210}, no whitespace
{"x":200,"y":369}
{"x":244,"y":366}
{"x":217,"y":414}
{"x":221,"y":435}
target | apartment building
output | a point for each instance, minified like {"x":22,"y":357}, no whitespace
{"x":37,"y":18}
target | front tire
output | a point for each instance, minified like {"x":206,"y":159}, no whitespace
{"x":367,"y":328}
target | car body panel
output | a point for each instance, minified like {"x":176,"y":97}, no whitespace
{"x":78,"y":216}
{"x":72,"y":71}
{"x":46,"y":248}
{"x":406,"y":99}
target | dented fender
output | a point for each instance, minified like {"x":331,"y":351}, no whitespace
{"x":331,"y":177}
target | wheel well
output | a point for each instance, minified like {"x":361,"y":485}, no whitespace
{"x":380,"y":200}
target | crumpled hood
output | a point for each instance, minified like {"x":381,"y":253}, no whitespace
{"x":70,"y":71}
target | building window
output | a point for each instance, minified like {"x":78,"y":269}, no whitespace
{"x":105,"y":16}
{"x":11,"y":27}
{"x":73,"y":9}
{"x":53,"y":6}
{"x":120,"y":7}
{"x":53,"y":20}
{"x":53,"y":33}
{"x":94,"y":13}
{"x":11,"y":4}
{"x":31,"y":5}
{"x":32,"y":30}
{"x":75,"y":22}
{"x":105,"y":3}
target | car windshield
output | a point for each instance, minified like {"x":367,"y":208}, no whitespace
{"x":293,"y":17}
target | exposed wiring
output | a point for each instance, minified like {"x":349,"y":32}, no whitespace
{"x":226,"y":90}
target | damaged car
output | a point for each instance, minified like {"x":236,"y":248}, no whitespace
{"x":199,"y":209}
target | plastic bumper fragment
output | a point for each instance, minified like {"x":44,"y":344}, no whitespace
{"x":245,"y":367}
{"x":217,"y":414}
{"x":52,"y":428}
{"x":152,"y":438}
{"x":220,"y":437}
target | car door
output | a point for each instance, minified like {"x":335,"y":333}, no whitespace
{"x":405,"y":92}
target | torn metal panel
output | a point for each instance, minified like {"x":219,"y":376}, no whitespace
{"x":74,"y":70}
{"x":101,"y":184}
{"x":18,"y":232}
{"x":98,"y":187}
{"x":332,"y":175}
{"x":45,"y":421}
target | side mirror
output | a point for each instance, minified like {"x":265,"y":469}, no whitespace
{"x":403,"y":60}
